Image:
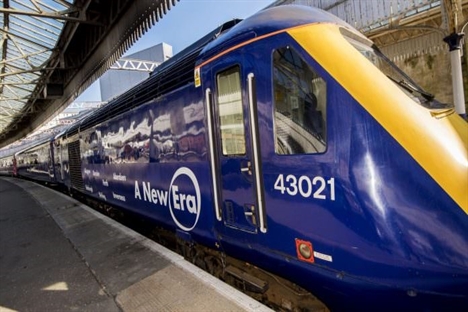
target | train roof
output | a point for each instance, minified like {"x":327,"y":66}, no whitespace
{"x":266,"y":22}
{"x":35,"y":144}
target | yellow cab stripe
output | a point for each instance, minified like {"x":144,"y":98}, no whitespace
{"x":437,"y":140}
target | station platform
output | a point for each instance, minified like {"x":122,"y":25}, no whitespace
{"x":57,"y":254}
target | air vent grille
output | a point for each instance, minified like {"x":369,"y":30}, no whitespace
{"x":75,"y":165}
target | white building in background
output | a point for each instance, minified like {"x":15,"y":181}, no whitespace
{"x":132,"y":69}
{"x":66,"y":116}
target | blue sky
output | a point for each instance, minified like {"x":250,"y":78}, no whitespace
{"x":186,"y":22}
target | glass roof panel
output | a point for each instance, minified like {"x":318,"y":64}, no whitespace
{"x":29,"y":32}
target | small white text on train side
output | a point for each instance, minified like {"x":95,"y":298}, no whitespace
{"x":316,"y":187}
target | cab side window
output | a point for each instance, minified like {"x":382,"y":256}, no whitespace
{"x":299,"y":105}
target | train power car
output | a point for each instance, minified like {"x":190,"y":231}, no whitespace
{"x":288,"y":145}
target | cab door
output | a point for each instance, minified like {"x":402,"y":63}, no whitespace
{"x":234,"y":148}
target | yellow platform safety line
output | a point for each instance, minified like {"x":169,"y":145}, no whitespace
{"x":437,"y":140}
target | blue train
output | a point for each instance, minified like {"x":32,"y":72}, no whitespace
{"x":287,"y":145}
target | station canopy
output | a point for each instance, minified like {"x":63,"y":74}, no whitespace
{"x":29,"y":33}
{"x":52,"y":50}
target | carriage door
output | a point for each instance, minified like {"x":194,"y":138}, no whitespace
{"x":235,"y":150}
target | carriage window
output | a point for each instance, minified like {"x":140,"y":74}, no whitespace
{"x":300,"y":105}
{"x":231,"y":117}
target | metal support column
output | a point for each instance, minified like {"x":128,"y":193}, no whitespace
{"x":453,"y":42}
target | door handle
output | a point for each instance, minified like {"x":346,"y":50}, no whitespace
{"x":249,"y":212}
{"x":247,"y":168}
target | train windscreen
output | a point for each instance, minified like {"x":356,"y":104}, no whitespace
{"x":392,"y":71}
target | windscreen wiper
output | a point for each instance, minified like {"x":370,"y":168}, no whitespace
{"x":412,"y":89}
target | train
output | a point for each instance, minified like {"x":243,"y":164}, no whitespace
{"x":286,"y":145}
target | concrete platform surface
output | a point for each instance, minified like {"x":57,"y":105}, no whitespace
{"x":57,"y":254}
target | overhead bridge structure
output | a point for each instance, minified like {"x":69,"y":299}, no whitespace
{"x":52,"y":50}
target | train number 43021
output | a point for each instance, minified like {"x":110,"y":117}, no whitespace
{"x":318,"y":187}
